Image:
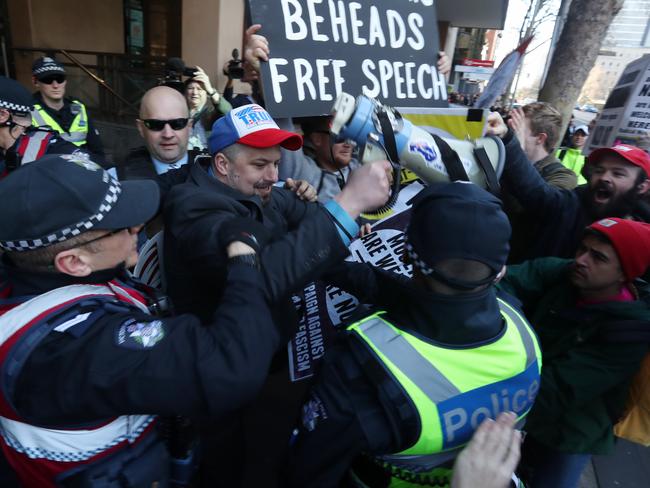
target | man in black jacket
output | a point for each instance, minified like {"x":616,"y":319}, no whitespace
{"x":88,"y":362}
{"x":618,"y":179}
{"x":239,"y":181}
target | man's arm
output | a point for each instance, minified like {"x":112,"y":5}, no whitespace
{"x":182,"y":367}
{"x":94,"y":141}
{"x":525,"y":183}
{"x":530,"y":280}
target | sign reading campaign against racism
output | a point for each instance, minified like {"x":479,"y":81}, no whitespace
{"x":324,"y":308}
{"x":385,"y":49}
{"x":626,"y":115}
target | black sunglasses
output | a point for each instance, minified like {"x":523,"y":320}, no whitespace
{"x":48,"y":80}
{"x":158,"y":125}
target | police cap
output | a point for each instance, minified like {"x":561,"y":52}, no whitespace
{"x":457,"y":221}
{"x":60,"y":196}
{"x":46,"y":66}
{"x":14,"y":96}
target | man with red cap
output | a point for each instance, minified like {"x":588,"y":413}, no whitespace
{"x":616,"y":186}
{"x":586,"y":313}
{"x":307,"y":239}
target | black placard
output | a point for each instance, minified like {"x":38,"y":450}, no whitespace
{"x":386,"y":49}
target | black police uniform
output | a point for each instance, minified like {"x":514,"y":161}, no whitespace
{"x":100,"y":365}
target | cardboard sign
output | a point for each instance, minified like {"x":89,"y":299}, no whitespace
{"x":324,"y":308}
{"x":385,"y":49}
{"x":626,"y":115}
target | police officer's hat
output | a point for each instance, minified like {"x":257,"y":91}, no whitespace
{"x":60,"y":196}
{"x":46,"y":66}
{"x":457,"y":221}
{"x":14,"y":96}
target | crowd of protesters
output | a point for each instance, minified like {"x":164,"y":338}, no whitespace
{"x":107,"y":382}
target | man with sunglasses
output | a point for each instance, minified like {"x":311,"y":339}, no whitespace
{"x":68,"y":117}
{"x":20,"y":142}
{"x":325,"y":165}
{"x":87,"y":357}
{"x":165,"y":125}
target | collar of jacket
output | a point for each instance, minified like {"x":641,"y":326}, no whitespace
{"x":545,"y":161}
{"x":458,"y":320}
{"x":29,"y":283}
{"x":201,"y":178}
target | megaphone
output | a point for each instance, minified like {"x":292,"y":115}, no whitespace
{"x":430,"y":157}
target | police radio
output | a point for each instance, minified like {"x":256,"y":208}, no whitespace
{"x":381,"y":132}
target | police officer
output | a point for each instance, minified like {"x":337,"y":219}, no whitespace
{"x":411,"y":381}
{"x":20,"y":143}
{"x":84,"y":360}
{"x":66,"y":116}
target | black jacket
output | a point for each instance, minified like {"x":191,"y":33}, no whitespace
{"x":358,"y":408}
{"x":562,"y":214}
{"x":304,"y":243}
{"x":87,"y":374}
{"x":64,"y":118}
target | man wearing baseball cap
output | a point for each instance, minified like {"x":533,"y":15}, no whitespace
{"x":64,"y":115}
{"x":572,"y":156}
{"x":20,"y":143}
{"x":583,"y":311}
{"x":617,"y":186}
{"x":307,"y":239}
{"x":85,"y":360}
{"x":416,"y":377}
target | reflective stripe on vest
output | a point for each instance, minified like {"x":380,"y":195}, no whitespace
{"x":455,"y":389}
{"x":33,"y":146}
{"x":49,"y":452}
{"x":78,"y":129}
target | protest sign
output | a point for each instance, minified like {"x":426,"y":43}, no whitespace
{"x":626,"y":115}
{"x":385,"y":49}
{"x":323,"y":308}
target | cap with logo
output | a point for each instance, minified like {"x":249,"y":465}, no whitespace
{"x":633,"y":155}
{"x":253,"y":126}
{"x":631,"y":240}
{"x":583,"y":128}
{"x":14,"y":96}
{"x":46,"y":66}
{"x":60,"y":196}
{"x":457,"y":221}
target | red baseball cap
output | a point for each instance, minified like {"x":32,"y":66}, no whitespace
{"x":634,"y":155}
{"x":631,"y":240}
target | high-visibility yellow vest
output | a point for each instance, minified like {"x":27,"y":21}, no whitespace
{"x":453,"y":389}
{"x":573,"y":159}
{"x":78,"y":129}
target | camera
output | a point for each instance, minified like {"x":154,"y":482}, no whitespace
{"x":234,"y":69}
{"x":174,"y":70}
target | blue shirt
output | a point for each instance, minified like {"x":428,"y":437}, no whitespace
{"x":164,"y":167}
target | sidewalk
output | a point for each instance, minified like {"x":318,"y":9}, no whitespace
{"x":627,"y":467}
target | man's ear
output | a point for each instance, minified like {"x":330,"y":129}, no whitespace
{"x":220,"y":164}
{"x":35,"y":82}
{"x":73,"y":262}
{"x":643,"y":187}
{"x":4,"y":115}
{"x":541,"y":138}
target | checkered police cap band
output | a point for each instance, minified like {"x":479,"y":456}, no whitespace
{"x":112,"y":194}
{"x":14,"y":107}
{"x":49,"y":68}
{"x":416,"y":260}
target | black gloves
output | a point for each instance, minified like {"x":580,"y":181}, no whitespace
{"x":246,"y":230}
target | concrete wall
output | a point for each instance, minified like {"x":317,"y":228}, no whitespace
{"x":211,"y":30}
{"x":91,"y":25}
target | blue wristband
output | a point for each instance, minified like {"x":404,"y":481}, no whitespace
{"x":347,"y":227}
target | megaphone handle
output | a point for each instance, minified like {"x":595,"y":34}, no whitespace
{"x":389,"y":136}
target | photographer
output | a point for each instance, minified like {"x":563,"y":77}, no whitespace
{"x":198,"y":90}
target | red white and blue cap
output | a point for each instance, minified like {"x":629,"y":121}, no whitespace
{"x":253,"y":126}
